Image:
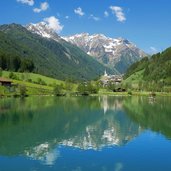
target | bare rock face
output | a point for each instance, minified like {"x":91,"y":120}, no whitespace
{"x":115,"y":53}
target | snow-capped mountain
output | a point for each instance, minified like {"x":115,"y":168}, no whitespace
{"x":116,"y":53}
{"x":43,"y":30}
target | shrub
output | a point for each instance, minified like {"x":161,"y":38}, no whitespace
{"x":0,"y":72}
{"x":58,"y":90}
{"x":13,"y":76}
{"x":87,"y":88}
{"x":23,"y":90}
{"x":129,"y":92}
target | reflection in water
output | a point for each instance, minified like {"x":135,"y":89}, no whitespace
{"x":108,"y":104}
{"x":113,"y":128}
{"x":38,"y":126}
{"x":118,"y":166}
{"x":43,"y":153}
{"x":154,"y":115}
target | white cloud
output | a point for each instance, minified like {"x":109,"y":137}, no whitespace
{"x":118,"y":11}
{"x":79,"y":11}
{"x":28,"y":2}
{"x":153,"y":50}
{"x":43,"y":7}
{"x":94,"y":18}
{"x":106,"y":14}
{"x":67,"y":17}
{"x":54,"y":23}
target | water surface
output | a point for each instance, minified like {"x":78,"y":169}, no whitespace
{"x":85,"y":134}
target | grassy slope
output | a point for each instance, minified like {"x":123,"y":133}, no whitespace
{"x":135,"y":78}
{"x":34,"y":77}
{"x":33,"y":88}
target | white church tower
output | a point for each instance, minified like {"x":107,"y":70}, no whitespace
{"x":105,"y":74}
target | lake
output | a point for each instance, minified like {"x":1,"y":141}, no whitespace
{"x":85,"y":134}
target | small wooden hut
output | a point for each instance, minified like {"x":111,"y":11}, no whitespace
{"x":5,"y":82}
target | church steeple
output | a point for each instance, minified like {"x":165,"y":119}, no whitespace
{"x":105,"y":73}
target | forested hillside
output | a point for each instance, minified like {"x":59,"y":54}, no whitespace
{"x":154,"y":69}
{"x":60,"y":60}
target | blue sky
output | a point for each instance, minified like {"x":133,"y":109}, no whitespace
{"x":147,"y":23}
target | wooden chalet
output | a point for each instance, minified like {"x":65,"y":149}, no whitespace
{"x":5,"y":82}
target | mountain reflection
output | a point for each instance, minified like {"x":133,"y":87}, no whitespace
{"x":37,"y":126}
{"x":108,"y":103}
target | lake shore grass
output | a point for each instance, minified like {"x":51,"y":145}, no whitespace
{"x":133,"y":93}
{"x":44,"y":90}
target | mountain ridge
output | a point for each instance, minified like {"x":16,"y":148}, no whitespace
{"x":116,"y":53}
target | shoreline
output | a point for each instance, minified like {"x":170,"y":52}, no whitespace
{"x":135,"y":94}
{"x":147,"y":94}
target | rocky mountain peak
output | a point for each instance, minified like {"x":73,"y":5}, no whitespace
{"x":116,"y":53}
{"x":43,"y":30}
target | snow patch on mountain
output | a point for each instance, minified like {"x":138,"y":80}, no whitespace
{"x":114,"y":52}
{"x":43,"y":30}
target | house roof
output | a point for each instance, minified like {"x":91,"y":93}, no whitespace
{"x":4,"y":80}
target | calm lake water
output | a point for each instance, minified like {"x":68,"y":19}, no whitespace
{"x":85,"y":134}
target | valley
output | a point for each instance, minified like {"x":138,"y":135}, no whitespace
{"x":37,"y":49}
{"x":85,"y":85}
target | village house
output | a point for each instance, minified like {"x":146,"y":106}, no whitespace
{"x":114,"y":79}
{"x":5,"y":82}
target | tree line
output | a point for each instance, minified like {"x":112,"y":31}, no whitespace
{"x":16,"y":63}
{"x":156,"y":69}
